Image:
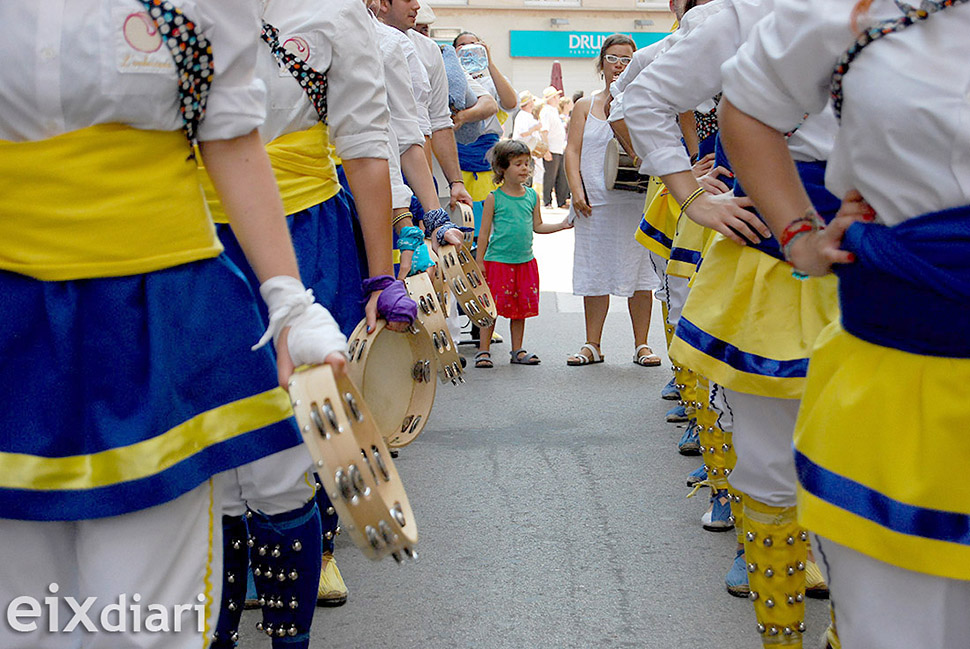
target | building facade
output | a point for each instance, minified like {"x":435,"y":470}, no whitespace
{"x":526,"y":37}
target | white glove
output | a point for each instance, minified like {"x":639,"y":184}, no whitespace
{"x":314,"y":333}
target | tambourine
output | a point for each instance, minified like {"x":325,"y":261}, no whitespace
{"x":431,"y":322}
{"x":464,"y":216}
{"x":353,"y":463}
{"x":467,"y":282}
{"x":396,"y":374}
{"x":619,"y":171}
{"x":438,"y":281}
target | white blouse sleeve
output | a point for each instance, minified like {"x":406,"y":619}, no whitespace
{"x":400,"y":98}
{"x":237,"y":100}
{"x":783,"y":70}
{"x":357,"y":111}
{"x":678,"y":80}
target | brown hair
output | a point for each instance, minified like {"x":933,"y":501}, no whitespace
{"x":502,"y":154}
{"x":610,"y":41}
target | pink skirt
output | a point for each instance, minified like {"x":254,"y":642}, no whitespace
{"x":515,"y":288}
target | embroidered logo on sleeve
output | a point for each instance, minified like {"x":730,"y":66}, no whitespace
{"x":138,"y":45}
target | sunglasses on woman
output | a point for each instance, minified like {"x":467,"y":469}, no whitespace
{"x":613,"y":58}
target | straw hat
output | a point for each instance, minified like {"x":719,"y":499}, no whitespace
{"x":525,"y":97}
{"x":550,"y":92}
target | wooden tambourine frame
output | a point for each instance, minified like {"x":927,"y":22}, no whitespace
{"x":353,"y":463}
{"x":467,"y":283}
{"x":464,"y":216}
{"x":396,"y":374}
{"x":431,"y":322}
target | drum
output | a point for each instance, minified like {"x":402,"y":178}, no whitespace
{"x":353,"y":463}
{"x":464,"y":216}
{"x":466,"y":281}
{"x":619,"y":171}
{"x":431,"y":322}
{"x":395,"y":372}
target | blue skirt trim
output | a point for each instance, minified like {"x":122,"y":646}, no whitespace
{"x":93,"y":367}
{"x":879,"y":508}
{"x":736,"y":358}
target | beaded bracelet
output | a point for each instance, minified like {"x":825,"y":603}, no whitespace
{"x":400,"y":217}
{"x":808,"y":224}
{"x":691,"y":198}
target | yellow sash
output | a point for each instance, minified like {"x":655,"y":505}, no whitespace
{"x":304,"y":171}
{"x":104,"y":201}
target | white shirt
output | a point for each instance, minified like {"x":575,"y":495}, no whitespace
{"x":401,"y":87}
{"x":523,"y":122}
{"x":420,"y":85}
{"x":688,"y":74}
{"x":337,"y":39}
{"x":68,"y":65}
{"x":556,"y":130}
{"x":430,"y":55}
{"x":904,"y":143}
{"x":643,"y":56}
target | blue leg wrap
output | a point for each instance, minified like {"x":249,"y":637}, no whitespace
{"x":286,"y":565}
{"x":235,"y":567}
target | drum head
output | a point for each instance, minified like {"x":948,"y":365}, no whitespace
{"x":395,"y":372}
{"x":612,"y":162}
{"x":353,"y":463}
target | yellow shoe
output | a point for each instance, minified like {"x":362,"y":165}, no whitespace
{"x":332,"y":590}
{"x":815,"y":586}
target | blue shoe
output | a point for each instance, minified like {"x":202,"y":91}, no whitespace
{"x":670,"y":391}
{"x":676,"y":415}
{"x":737,"y":577}
{"x":697,"y":475}
{"x":690,"y":443}
{"x":719,"y":519}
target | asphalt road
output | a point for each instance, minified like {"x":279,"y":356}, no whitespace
{"x":551,"y":507}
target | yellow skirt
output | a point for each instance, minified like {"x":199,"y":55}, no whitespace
{"x":479,"y":184}
{"x":659,"y":222}
{"x":882,"y":451}
{"x":686,"y":253}
{"x":749,"y":325}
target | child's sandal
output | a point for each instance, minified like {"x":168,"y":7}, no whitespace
{"x":522,"y":357}
{"x":483,"y":361}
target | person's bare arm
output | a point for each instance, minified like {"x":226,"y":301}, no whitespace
{"x":484,"y":108}
{"x":573,"y":156}
{"x":547,"y":228}
{"x":507,"y":98}
{"x":243,"y":178}
{"x":446,"y":151}
{"x":688,"y":128}
{"x":760,"y":157}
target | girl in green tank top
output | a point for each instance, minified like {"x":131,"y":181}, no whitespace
{"x":510,"y":217}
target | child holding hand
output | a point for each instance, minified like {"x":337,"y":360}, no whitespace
{"x":511,"y":215}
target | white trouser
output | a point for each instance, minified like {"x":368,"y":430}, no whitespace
{"x":677,"y":291}
{"x":271,"y":485}
{"x":763,"y":430}
{"x":881,"y":606}
{"x":454,"y":324}
{"x":725,"y":419}
{"x":660,"y":268}
{"x":139,"y":567}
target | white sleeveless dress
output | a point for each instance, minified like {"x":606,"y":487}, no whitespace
{"x":607,"y":259}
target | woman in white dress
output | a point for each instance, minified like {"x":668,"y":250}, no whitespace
{"x":607,"y":259}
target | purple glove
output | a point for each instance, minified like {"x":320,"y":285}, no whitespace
{"x":394,"y":304}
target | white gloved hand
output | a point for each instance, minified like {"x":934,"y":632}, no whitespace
{"x":314,"y":333}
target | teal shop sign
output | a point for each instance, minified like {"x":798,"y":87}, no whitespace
{"x":565,"y":45}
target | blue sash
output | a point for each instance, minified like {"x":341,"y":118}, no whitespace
{"x":825,"y":203}
{"x":927,"y":258}
{"x":471,"y":157}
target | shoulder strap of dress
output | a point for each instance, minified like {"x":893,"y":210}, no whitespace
{"x":911,"y":15}
{"x":314,"y":83}
{"x":193,"y":59}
